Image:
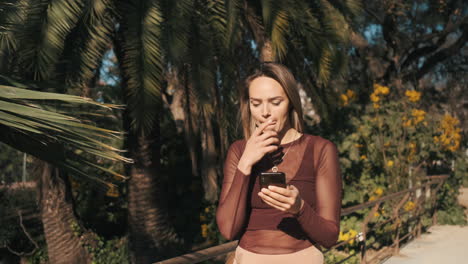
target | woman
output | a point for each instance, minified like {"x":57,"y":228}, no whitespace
{"x":277,"y":224}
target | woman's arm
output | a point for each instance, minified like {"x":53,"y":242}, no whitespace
{"x":231,"y":215}
{"x":323,"y":224}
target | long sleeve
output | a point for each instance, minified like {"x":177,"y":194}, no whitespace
{"x":322,"y":224}
{"x":231,"y":215}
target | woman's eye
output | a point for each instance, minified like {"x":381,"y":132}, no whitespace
{"x":276,"y":102}
{"x":254,"y":105}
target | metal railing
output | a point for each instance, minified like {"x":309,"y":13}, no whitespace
{"x":421,"y":196}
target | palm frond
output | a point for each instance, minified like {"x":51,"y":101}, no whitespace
{"x":325,"y":62}
{"x":233,"y":9}
{"x":95,"y":31}
{"x":62,"y":17}
{"x":62,"y":140}
{"x":142,"y":67}
{"x":176,"y":29}
{"x":11,"y":22}
{"x":279,"y":34}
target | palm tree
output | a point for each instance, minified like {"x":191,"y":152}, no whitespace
{"x":34,"y":39}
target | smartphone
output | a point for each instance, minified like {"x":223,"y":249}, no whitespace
{"x":272,"y":178}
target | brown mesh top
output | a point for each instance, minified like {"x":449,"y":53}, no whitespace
{"x":311,"y":165}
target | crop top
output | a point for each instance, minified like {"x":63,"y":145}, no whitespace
{"x":312,"y":166}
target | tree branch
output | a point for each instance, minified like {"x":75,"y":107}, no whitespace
{"x":36,"y":246}
{"x":441,"y":37}
{"x":441,"y":55}
{"x":372,"y":14}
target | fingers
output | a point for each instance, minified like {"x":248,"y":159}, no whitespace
{"x":268,"y":134}
{"x":277,"y":196}
{"x":270,"y":141}
{"x":284,"y":199}
{"x":274,"y":205}
{"x":275,"y":202}
{"x":258,"y":131}
{"x":283,"y":191}
{"x":270,"y":149}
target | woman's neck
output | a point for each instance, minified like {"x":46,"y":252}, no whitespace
{"x":287,"y":135}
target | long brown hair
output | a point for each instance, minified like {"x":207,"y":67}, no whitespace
{"x":286,"y":79}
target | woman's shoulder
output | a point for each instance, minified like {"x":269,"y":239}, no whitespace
{"x":238,"y":145}
{"x":318,"y":141}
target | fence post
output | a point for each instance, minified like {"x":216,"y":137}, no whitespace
{"x":396,"y":216}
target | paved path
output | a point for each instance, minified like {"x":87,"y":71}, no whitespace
{"x":442,"y":244}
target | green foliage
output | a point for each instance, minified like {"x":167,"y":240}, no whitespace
{"x":39,"y":257}
{"x":109,"y":251}
{"x":13,"y":203}
{"x":336,"y":256}
{"x":11,"y":164}
{"x":453,"y":215}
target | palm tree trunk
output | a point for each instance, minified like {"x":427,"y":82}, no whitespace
{"x":152,"y":237}
{"x":180,"y":108}
{"x":209,"y":164}
{"x":60,"y":223}
{"x":190,"y":124}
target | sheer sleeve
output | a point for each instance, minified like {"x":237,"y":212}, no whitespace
{"x":231,"y":215}
{"x":322,"y":224}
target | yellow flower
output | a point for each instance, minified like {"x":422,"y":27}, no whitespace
{"x":343,"y":236}
{"x":378,"y":191}
{"x":450,"y":137}
{"x":363,"y":157}
{"x":413,"y":96}
{"x":207,"y":209}
{"x":372,"y":198}
{"x":352,"y":234}
{"x":112,"y":191}
{"x":418,"y":115}
{"x":383,"y":90}
{"x":409,"y":205}
{"x":376,"y":106}
{"x":376,"y":214}
{"x":358,"y":145}
{"x":380,"y":89}
{"x":204,"y":230}
{"x":348,"y":235}
{"x":350,"y":94}
{"x":390,"y":163}
{"x":374,"y":98}
{"x":407,"y":123}
{"x":387,"y":144}
{"x":344,"y":99}
{"x":347,"y":97}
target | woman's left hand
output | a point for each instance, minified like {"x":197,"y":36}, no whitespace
{"x":285,"y":199}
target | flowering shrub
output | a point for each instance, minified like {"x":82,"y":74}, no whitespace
{"x":390,"y":145}
{"x":395,"y":141}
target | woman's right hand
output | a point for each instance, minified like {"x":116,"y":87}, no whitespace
{"x":261,"y":142}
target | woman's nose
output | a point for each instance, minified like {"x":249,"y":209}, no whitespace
{"x":266,"y":111}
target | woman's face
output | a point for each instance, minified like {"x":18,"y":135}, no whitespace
{"x":267,"y":100}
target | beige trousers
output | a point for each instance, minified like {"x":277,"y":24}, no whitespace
{"x":310,"y":255}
